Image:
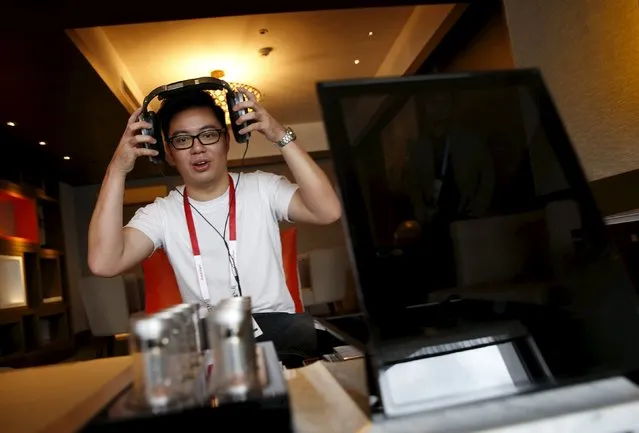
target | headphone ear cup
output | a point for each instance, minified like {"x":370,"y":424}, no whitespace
{"x":156,"y":132}
{"x":232,"y":99}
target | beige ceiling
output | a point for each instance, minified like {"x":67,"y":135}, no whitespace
{"x":308,"y":47}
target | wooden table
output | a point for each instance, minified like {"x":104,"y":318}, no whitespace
{"x":63,"y":397}
{"x":325,"y":397}
{"x":59,"y":398}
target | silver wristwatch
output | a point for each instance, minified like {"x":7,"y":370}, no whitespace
{"x":288,"y":137}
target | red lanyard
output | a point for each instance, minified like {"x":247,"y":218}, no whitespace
{"x":232,"y":244}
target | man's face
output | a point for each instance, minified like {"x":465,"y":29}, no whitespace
{"x":201,"y":163}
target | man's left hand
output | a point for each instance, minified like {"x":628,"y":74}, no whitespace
{"x":262,"y":120}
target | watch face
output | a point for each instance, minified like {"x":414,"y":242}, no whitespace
{"x":290,"y":135}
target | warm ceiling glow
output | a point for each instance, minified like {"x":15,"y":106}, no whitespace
{"x":370,"y":33}
{"x":43,"y":143}
{"x":237,"y":67}
{"x":67,"y":157}
{"x":11,"y":124}
{"x":220,"y":95}
{"x":356,"y":61}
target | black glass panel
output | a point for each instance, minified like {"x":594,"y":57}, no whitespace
{"x":467,"y":207}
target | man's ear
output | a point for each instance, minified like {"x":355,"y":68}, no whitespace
{"x":168,"y":155}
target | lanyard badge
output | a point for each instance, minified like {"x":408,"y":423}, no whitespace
{"x":232,"y":250}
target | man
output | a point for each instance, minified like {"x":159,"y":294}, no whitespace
{"x":197,"y":143}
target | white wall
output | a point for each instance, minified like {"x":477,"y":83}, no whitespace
{"x":588,"y":51}
{"x":71,"y":258}
{"x":311,"y":136}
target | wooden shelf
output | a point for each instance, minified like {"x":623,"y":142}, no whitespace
{"x":18,"y":190}
{"x":31,"y":333}
{"x":15,"y":245}
{"x":13,"y":290}
{"x":11,"y":341}
{"x":15,"y":359}
{"x":46,"y":354}
{"x":13,"y":315}
{"x":41,"y":195}
{"x":32,"y":276}
{"x":47,"y":309}
{"x":31,"y":236}
{"x":48,"y":253}
{"x":51,"y":281}
{"x":53,"y":328}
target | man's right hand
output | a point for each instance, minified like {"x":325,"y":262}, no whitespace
{"x":131,"y":144}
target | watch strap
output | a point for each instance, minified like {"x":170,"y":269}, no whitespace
{"x":289,"y":136}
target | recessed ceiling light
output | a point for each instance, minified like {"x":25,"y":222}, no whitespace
{"x":370,"y":33}
{"x":356,"y":61}
{"x":67,"y":157}
{"x":42,"y":143}
{"x":11,"y":124}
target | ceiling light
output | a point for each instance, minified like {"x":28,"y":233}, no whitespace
{"x":220,"y":95}
{"x":356,"y":61}
{"x":42,"y":143}
{"x":265,"y":51}
{"x":67,"y":157}
{"x":11,"y":124}
{"x":370,"y":33}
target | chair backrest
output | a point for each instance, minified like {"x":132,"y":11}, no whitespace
{"x":496,"y":249}
{"x":289,"y":262}
{"x":161,"y":289}
{"x":105,"y":302}
{"x":329,"y":269}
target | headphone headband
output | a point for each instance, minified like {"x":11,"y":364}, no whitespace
{"x":203,"y":83}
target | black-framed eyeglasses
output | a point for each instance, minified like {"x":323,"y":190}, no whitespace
{"x":185,"y":141}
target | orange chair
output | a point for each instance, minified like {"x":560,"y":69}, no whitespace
{"x":161,"y":288}
{"x":160,"y":285}
{"x":289,"y":261}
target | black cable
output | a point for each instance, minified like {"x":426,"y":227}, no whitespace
{"x":228,"y":250}
{"x":222,"y":236}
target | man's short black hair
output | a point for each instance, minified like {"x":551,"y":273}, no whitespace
{"x":184,"y":100}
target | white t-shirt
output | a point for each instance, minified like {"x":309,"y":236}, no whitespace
{"x":262,"y":199}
